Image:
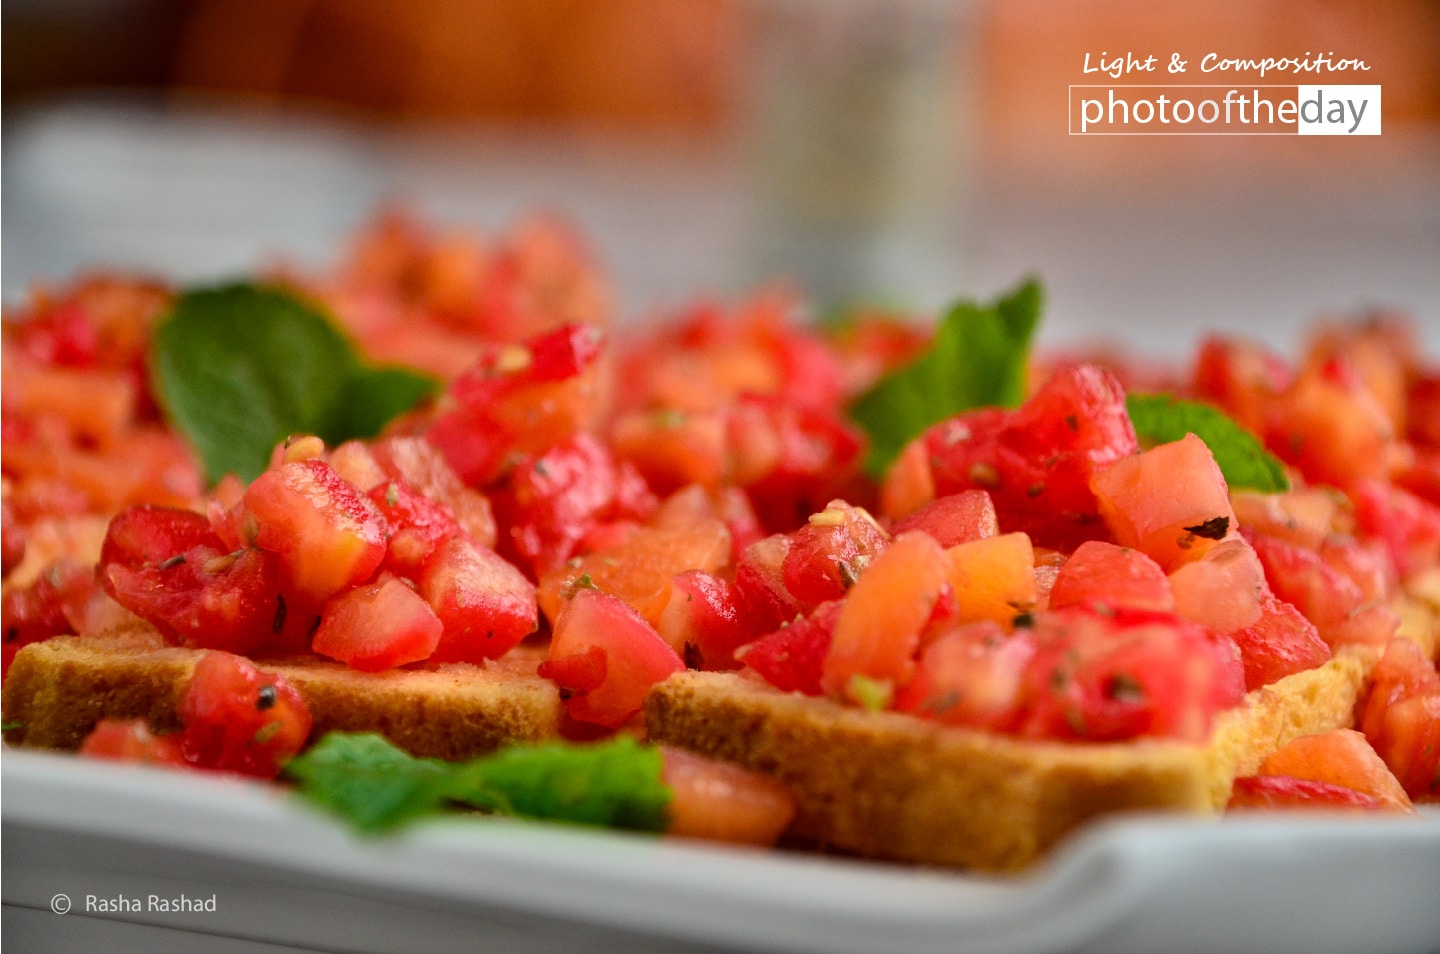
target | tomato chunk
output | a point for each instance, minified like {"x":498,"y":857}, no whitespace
{"x":723,"y":802}
{"x":130,"y":740}
{"x":326,"y":534}
{"x":1283,"y":791}
{"x":239,"y":719}
{"x":635,"y":658}
{"x":486,"y":604}
{"x":378,"y":626}
{"x":971,"y":674}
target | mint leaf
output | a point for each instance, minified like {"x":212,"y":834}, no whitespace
{"x":615,"y":784}
{"x":239,"y":368}
{"x":369,"y":782}
{"x":1162,"y":418}
{"x":376,"y":786}
{"x":376,"y":395}
{"x":977,"y":359}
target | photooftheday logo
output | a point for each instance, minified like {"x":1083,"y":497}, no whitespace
{"x":1242,"y":109}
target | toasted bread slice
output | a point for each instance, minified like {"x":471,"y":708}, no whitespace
{"x":58,"y":689}
{"x":889,"y":785}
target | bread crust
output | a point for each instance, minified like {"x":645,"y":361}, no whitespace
{"x":58,"y":689}
{"x":892,"y":786}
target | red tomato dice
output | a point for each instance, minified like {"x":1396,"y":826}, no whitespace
{"x":792,"y":657}
{"x":1287,"y":792}
{"x":486,"y":605}
{"x":970,"y":675}
{"x":1280,"y":643}
{"x":130,"y":740}
{"x":706,"y":620}
{"x":881,"y":618}
{"x":415,"y":526}
{"x":378,"y":626}
{"x":325,"y":533}
{"x":1111,"y":675}
{"x":954,"y":518}
{"x":828,"y":554}
{"x":1104,"y":573}
{"x":239,"y":719}
{"x":635,"y":658}
{"x":170,"y":568}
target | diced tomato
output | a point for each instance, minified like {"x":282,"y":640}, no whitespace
{"x":417,"y":464}
{"x":486,"y":604}
{"x":130,"y":740}
{"x":641,"y":569}
{"x":520,"y":399}
{"x":723,"y":802}
{"x":828,"y":554}
{"x":1222,"y":590}
{"x":792,"y":658}
{"x":760,"y":581}
{"x":55,"y":603}
{"x":954,"y":518}
{"x":1302,"y":517}
{"x":1285,"y":792}
{"x":635,"y":658}
{"x":706,"y":620}
{"x":1328,"y":597}
{"x":151,"y":535}
{"x":992,"y":578}
{"x":1037,"y":461}
{"x":909,"y":484}
{"x":1119,"y":577}
{"x":1408,"y":525}
{"x":1401,"y":717}
{"x":1410,"y":736}
{"x":1280,"y":643}
{"x":1331,"y":427}
{"x":970,"y":674}
{"x":12,"y":539}
{"x":415,"y":526}
{"x":200,"y":595}
{"x":325,"y":533}
{"x":1242,"y":377}
{"x":239,"y":719}
{"x":1112,"y":675}
{"x":551,"y":502}
{"x":1339,"y":757}
{"x":1170,"y":502}
{"x":878,"y":630}
{"x":378,"y":626}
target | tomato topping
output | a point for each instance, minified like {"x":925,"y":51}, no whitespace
{"x":415,"y":526}
{"x":378,"y":626}
{"x":1106,"y":676}
{"x":706,"y":620}
{"x":239,"y":719}
{"x":486,"y":604}
{"x":954,"y":518}
{"x":326,"y":534}
{"x":970,"y":674}
{"x":635,"y":658}
{"x":723,"y":802}
{"x":792,"y":658}
{"x":879,"y":626}
{"x":1283,"y":791}
{"x":1280,"y":643}
{"x":1339,"y":757}
{"x":130,"y":740}
{"x":828,"y":554}
{"x":1119,"y":577}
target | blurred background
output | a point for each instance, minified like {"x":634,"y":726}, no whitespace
{"x":904,"y":152}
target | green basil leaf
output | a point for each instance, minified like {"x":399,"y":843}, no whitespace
{"x":376,"y":395}
{"x":369,"y":782}
{"x":376,"y":786}
{"x":1162,"y":418}
{"x":239,"y":368}
{"x":977,"y":359}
